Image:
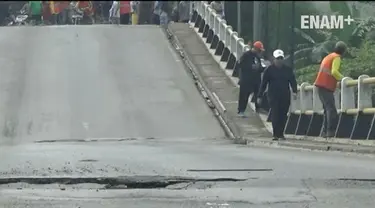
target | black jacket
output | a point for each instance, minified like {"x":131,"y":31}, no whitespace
{"x":279,"y":81}
{"x":250,"y":68}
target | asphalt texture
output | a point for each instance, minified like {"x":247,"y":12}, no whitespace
{"x":72,"y":82}
{"x":117,"y":121}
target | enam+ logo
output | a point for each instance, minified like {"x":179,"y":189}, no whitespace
{"x":325,"y":21}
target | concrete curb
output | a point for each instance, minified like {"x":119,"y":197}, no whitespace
{"x":229,"y":129}
{"x":312,"y":143}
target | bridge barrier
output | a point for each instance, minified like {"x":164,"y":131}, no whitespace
{"x":306,"y":115}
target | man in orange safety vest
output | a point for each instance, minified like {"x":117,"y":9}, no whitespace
{"x":326,"y":83}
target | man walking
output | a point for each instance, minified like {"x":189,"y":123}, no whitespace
{"x":326,"y":82}
{"x":278,"y":78}
{"x":250,"y":75}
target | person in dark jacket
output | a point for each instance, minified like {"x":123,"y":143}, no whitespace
{"x":278,"y":78}
{"x":250,"y":74}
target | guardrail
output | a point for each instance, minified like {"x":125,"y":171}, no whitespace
{"x":353,"y":97}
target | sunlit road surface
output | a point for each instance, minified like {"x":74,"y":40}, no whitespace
{"x":106,"y":116}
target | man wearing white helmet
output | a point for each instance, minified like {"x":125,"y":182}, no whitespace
{"x":278,"y":77}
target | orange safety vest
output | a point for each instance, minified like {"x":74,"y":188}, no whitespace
{"x":124,"y":7}
{"x":325,"y":79}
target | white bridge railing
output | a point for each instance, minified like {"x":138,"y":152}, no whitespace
{"x":353,"y":97}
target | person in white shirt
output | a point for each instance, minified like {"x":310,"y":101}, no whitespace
{"x":114,"y":13}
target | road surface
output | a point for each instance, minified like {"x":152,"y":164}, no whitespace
{"x":77,"y":82}
{"x":102,"y":116}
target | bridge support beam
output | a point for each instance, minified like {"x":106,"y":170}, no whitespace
{"x":220,"y":49}
{"x":315,"y":126}
{"x":362,"y":125}
{"x":195,"y":18}
{"x":292,"y":123}
{"x":345,"y":125}
{"x":303,"y":124}
{"x":225,"y":55}
{"x":214,"y":42}
{"x":202,"y":26}
{"x":210,"y":36}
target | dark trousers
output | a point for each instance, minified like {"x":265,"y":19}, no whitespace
{"x":330,"y":112}
{"x":55,"y":19}
{"x":155,"y":19}
{"x":37,"y":18}
{"x":124,"y":19}
{"x":63,"y":17}
{"x":106,"y":7}
{"x":245,"y":91}
{"x":279,"y":107}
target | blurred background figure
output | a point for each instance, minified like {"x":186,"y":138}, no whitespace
{"x":87,"y":8}
{"x":47,"y":16}
{"x":134,"y":12}
{"x":124,"y":12}
{"x":156,"y":12}
{"x":114,"y":13}
{"x":164,"y":17}
{"x":35,"y":11}
{"x":145,"y":12}
{"x":54,"y":9}
{"x":184,"y":11}
{"x":64,"y":12}
{"x":218,"y":7}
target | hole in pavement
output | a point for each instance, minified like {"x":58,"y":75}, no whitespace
{"x":358,"y":179}
{"x":129,"y":182}
{"x":89,"y":160}
{"x":228,"y":170}
{"x":92,"y":140}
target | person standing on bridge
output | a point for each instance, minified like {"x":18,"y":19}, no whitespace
{"x":36,"y":10}
{"x":278,"y":78}
{"x":54,"y":7}
{"x":134,"y":11}
{"x":114,"y":13}
{"x":156,"y":12}
{"x":326,"y":83}
{"x":164,"y":18}
{"x":184,"y":11}
{"x":250,"y":70}
{"x":87,"y":8}
{"x":124,"y":12}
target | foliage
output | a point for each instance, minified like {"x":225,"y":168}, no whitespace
{"x":362,"y":63}
{"x":313,"y":51}
{"x":313,"y":45}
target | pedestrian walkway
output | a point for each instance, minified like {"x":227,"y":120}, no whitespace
{"x":218,"y":82}
{"x":250,"y":130}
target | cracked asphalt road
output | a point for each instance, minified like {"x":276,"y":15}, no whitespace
{"x":61,"y":84}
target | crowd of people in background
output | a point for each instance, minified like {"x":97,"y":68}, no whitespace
{"x":113,"y":12}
